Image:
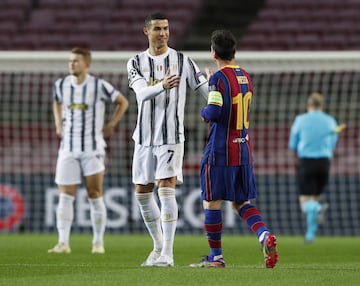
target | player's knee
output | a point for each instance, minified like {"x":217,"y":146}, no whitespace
{"x":94,"y":193}
{"x":237,"y":206}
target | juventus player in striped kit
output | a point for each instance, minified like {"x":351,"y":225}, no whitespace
{"x":79,"y":110}
{"x":159,"y":77}
{"x":226,"y":169}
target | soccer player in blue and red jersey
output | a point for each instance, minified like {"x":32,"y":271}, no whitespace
{"x":227,"y":171}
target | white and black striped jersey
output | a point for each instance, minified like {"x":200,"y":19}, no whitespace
{"x":160,"y":118}
{"x":83,"y":110}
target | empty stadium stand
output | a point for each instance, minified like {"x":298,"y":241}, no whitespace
{"x":99,"y":25}
{"x":304,"y":25}
{"x":117,"y":24}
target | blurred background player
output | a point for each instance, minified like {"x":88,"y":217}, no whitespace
{"x":226,"y":169}
{"x":159,"y":77}
{"x":79,"y":110}
{"x":313,"y":137}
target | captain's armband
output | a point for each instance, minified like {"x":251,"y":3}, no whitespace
{"x":215,"y":98}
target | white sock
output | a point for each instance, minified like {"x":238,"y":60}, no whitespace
{"x":151,"y":215}
{"x":64,"y":217}
{"x":98,"y":219}
{"x":169,"y":217}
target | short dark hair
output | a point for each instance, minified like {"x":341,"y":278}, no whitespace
{"x":84,"y":52}
{"x":223,"y":42}
{"x":154,"y":16}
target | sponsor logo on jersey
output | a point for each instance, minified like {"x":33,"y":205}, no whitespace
{"x":79,"y":106}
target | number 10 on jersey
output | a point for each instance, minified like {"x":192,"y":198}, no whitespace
{"x":242,"y":108}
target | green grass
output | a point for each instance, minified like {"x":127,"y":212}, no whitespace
{"x":329,"y":261}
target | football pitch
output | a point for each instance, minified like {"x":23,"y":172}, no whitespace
{"x":329,"y":261}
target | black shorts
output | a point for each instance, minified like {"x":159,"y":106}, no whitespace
{"x":313,"y":175}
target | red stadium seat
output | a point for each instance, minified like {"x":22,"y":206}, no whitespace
{"x":8,"y":28}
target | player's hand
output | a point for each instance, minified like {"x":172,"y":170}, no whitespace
{"x":170,"y":81}
{"x":339,"y":128}
{"x":59,"y":132}
{"x":209,"y":72}
{"x":108,"y":131}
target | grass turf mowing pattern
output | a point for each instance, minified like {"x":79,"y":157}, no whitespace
{"x":329,"y":261}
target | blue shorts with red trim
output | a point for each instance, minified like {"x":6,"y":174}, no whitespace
{"x":229,"y":183}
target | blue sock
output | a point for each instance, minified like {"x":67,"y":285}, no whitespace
{"x":311,"y":209}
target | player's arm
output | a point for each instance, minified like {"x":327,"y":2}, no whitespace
{"x":145,"y":92}
{"x":203,"y":89}
{"x":196,"y":79}
{"x":212,"y":111}
{"x":57,"y":111}
{"x":294,"y":136}
{"x":121,"y":106}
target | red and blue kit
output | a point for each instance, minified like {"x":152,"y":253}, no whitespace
{"x":227,"y":158}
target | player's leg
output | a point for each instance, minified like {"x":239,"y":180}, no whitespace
{"x":68,"y":176}
{"x":143,"y":177}
{"x":322,"y":181}
{"x":64,"y":218}
{"x":307,"y":182}
{"x":150,"y":213}
{"x":251,"y":215}
{"x":212,"y":186}
{"x":168,"y":173}
{"x":168,"y":219}
{"x":92,"y":164}
{"x":94,"y":187}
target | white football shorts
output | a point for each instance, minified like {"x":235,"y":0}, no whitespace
{"x":70,"y":167}
{"x":151,"y":163}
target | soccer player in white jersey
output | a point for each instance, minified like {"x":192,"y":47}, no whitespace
{"x":159,"y":76}
{"x":79,"y":110}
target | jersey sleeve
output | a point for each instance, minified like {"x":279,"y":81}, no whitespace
{"x":134,"y":73}
{"x":195,"y":77}
{"x":212,"y":111}
{"x":57,"y":90}
{"x":108,"y":92}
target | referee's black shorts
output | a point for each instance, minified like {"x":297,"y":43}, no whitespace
{"x":313,"y":175}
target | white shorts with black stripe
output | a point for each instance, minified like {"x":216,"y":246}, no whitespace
{"x":152,"y":163}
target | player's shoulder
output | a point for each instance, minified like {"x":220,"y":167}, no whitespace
{"x":303,"y":115}
{"x":137,"y":58}
{"x":175,"y":52}
{"x":300,"y":118}
{"x":63,"y":80}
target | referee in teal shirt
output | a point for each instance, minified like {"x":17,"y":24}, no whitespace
{"x":313,"y":137}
